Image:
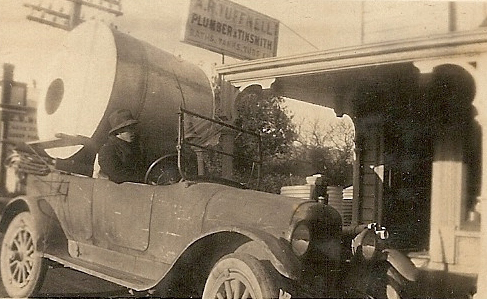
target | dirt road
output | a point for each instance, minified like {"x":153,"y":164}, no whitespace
{"x":63,"y":282}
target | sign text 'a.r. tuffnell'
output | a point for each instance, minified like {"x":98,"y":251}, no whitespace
{"x":236,"y":14}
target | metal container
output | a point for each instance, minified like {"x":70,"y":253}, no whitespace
{"x":347,"y":205}
{"x":335,"y":197}
{"x":100,"y":70}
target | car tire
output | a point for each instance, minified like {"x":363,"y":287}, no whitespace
{"x":21,"y":264}
{"x":240,"y":275}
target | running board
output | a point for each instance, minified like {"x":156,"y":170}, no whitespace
{"x":130,"y":281}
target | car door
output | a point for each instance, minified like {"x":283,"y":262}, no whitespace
{"x":75,"y":202}
{"x":121,"y":215}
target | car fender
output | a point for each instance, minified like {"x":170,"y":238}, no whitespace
{"x":402,"y":264}
{"x":265,"y":246}
{"x":46,"y":221}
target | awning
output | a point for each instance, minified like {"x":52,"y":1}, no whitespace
{"x":332,"y":78}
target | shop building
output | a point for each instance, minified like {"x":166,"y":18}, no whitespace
{"x":17,"y":123}
{"x":419,"y":107}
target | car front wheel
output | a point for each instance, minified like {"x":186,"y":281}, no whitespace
{"x":239,"y":275}
{"x":387,"y":282}
{"x":21,"y":265}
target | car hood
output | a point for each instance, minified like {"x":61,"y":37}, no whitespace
{"x":231,"y":207}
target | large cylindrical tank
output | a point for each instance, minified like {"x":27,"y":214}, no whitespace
{"x":100,"y":70}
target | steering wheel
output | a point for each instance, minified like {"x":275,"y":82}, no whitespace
{"x":163,"y":171}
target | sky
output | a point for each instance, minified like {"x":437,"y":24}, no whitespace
{"x":305,"y":26}
{"x":30,"y":45}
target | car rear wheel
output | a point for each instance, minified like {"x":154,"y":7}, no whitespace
{"x":21,"y":265}
{"x":239,"y":275}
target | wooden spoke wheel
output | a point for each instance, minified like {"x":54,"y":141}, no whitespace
{"x":239,"y":276}
{"x":21,"y":265}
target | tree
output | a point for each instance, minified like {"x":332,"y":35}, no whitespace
{"x":288,"y":157}
{"x":329,"y":150}
{"x":268,"y":116}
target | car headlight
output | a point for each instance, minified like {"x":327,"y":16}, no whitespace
{"x":367,"y":243}
{"x":300,"y":239}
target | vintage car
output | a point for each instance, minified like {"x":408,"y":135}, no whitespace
{"x":181,"y":234}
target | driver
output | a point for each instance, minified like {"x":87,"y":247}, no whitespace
{"x":120,"y":157}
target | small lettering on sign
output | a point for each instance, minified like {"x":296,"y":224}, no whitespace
{"x":284,"y":295}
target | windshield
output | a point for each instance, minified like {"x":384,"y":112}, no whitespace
{"x":211,"y":149}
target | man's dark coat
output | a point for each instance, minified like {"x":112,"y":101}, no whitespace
{"x":121,"y":161}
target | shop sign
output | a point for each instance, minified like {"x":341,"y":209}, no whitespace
{"x":21,"y":131}
{"x":231,"y":29}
